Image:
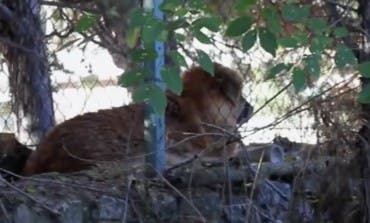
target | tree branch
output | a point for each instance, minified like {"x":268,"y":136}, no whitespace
{"x":78,"y":6}
{"x":5,"y":13}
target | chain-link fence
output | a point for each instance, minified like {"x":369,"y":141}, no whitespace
{"x":88,"y":82}
{"x":87,"y":88}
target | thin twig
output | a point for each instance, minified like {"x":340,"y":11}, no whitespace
{"x":46,"y":207}
{"x":64,"y":184}
{"x":3,"y":209}
{"x":194,"y":135}
{"x":124,"y":218}
{"x":181,"y":195}
{"x":60,"y":4}
{"x":254,"y":185}
{"x":272,"y":98}
{"x":298,"y":108}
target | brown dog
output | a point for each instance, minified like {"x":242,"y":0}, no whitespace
{"x":196,"y":120}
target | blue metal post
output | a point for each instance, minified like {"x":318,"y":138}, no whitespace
{"x":154,"y":123}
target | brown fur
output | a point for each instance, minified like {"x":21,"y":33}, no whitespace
{"x":117,"y":133}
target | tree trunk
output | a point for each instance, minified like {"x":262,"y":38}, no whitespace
{"x":24,"y":49}
{"x":363,"y":55}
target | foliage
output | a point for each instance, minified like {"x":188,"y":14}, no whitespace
{"x":275,"y":28}
{"x":281,"y":28}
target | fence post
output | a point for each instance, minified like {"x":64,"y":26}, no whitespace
{"x":155,"y":124}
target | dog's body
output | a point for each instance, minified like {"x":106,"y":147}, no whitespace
{"x":208,"y":106}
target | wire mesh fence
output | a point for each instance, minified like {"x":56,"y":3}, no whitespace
{"x":85,"y":89}
{"x":288,"y":114}
{"x":85,"y":79}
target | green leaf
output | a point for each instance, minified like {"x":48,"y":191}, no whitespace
{"x":344,"y":56}
{"x":171,"y":76}
{"x":133,"y":77}
{"x":239,"y":26}
{"x":138,"y":18}
{"x":364,"y":95}
{"x":205,"y":62}
{"x":181,"y":12}
{"x":158,"y":99}
{"x":277,"y":69}
{"x":152,"y":94}
{"x":300,"y":37}
{"x":294,"y":40}
{"x":318,"y":25}
{"x":162,"y":37}
{"x":177,"y":58}
{"x":211,"y":23}
{"x":313,"y":65}
{"x":320,"y":43}
{"x":268,"y":41}
{"x":248,"y":40}
{"x":295,"y":12}
{"x":197,"y":4}
{"x":152,"y":29}
{"x":288,"y":42}
{"x":203,"y":38}
{"x":180,"y":37}
{"x":177,"y":24}
{"x":142,"y":55}
{"x":364,"y":69}
{"x":299,"y":79}
{"x":132,"y":37}
{"x":141,"y":94}
{"x":170,"y":5}
{"x":272,"y":19}
{"x":242,"y":5}
{"x":85,"y":22}
{"x":340,"y":32}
